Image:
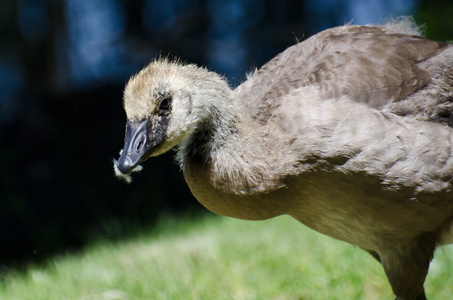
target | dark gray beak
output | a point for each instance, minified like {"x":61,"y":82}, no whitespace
{"x":137,"y":145}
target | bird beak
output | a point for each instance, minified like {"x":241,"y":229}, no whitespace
{"x":137,"y":145}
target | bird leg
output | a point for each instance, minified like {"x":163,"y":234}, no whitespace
{"x":406,"y":267}
{"x":420,"y":297}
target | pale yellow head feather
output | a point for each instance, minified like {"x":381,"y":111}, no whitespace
{"x":195,"y":93}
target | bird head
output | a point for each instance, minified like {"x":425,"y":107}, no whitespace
{"x":164,"y":103}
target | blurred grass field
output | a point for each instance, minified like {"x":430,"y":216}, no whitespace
{"x":214,"y":257}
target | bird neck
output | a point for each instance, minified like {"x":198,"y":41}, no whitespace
{"x":217,"y":127}
{"x":224,"y":152}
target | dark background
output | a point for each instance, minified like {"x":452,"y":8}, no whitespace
{"x":63,"y":66}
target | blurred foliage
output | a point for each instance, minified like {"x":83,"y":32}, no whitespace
{"x":436,"y":17}
{"x":63,"y":65}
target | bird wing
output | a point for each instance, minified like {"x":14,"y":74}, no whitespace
{"x":367,"y":64}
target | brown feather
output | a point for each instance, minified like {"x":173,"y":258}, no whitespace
{"x":364,"y":63}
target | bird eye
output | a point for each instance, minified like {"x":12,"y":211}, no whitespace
{"x":164,"y":104}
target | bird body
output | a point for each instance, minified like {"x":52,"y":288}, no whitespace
{"x":349,"y":132}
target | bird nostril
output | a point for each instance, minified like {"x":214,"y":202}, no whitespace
{"x":139,"y":145}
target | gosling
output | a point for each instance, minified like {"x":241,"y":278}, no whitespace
{"x":349,"y":132}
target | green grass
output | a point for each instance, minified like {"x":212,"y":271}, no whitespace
{"x":218,"y":258}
